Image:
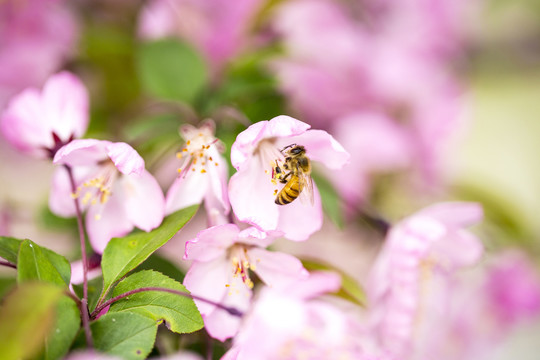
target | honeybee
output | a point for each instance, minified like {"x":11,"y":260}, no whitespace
{"x":295,"y":174}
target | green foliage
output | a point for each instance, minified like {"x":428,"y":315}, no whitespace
{"x":331,"y":201}
{"x":38,"y":263}
{"x":171,"y":69}
{"x":350,"y":289}
{"x":179,"y":312}
{"x":124,"y":254}
{"x":164,"y":266}
{"x":64,"y":330}
{"x":9,"y":248}
{"x":26,"y":317}
{"x":128,"y":335}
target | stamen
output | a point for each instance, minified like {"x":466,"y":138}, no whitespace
{"x":203,"y":171}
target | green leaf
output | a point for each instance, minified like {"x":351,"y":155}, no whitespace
{"x":64,"y":330}
{"x":179,"y":312}
{"x":94,"y":290}
{"x":128,"y":335}
{"x":26,"y":317}
{"x":331,"y":201}
{"x":38,"y":263}
{"x":350,"y":289}
{"x":164,"y":266}
{"x":9,"y":248}
{"x":124,"y":254}
{"x":171,"y":69}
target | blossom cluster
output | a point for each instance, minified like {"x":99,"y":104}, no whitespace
{"x":373,"y":100}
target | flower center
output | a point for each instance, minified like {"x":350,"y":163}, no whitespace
{"x":195,"y":154}
{"x":97,"y":190}
{"x":271,"y":158}
{"x":241,"y":264}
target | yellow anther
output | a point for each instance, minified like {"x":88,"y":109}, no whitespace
{"x":97,"y":216}
{"x":86,"y":198}
{"x":179,"y":170}
{"x":184,"y":150}
{"x":179,"y":155}
{"x":216,"y":164}
{"x":210,"y":158}
{"x":192,"y":169}
{"x":203,"y":171}
{"x":188,"y":143}
{"x":275,"y":192}
{"x":201,"y":154}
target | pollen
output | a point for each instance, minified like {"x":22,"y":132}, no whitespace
{"x":97,"y":216}
{"x":275,"y":192}
{"x":179,"y":155}
{"x":210,"y":158}
{"x":203,"y":171}
{"x":188,"y":143}
{"x":216,"y":164}
{"x":179,"y":170}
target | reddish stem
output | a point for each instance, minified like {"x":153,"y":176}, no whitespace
{"x":84,"y":300}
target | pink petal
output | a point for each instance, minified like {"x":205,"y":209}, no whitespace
{"x":125,"y":158}
{"x":257,"y":237}
{"x":218,"y":176}
{"x":20,"y":123}
{"x":247,"y":141}
{"x":252,"y":196}
{"x":103,"y":222}
{"x":143,"y":200}
{"x":82,"y":152}
{"x":320,"y":146}
{"x":211,"y":243}
{"x":455,"y":214}
{"x":298,"y":220}
{"x":450,"y":250}
{"x":219,"y":323}
{"x":61,"y":201}
{"x":66,"y":105}
{"x":208,"y":280}
{"x":275,"y":268}
{"x":316,"y":284}
{"x":187,"y":189}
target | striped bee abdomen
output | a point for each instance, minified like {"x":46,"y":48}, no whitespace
{"x":290,"y":191}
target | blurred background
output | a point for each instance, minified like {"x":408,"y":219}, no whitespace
{"x":435,"y":100}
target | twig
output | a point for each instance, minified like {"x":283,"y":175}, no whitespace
{"x":84,"y":300}
{"x":8,"y":264}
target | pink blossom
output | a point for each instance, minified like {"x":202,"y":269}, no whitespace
{"x":292,"y":323}
{"x":203,"y":173}
{"x":36,"y":37}
{"x":222,"y":257}
{"x":513,"y":287}
{"x":219,"y":28}
{"x":410,"y":281}
{"x":39,"y":123}
{"x":379,"y":146}
{"x":366,"y":68}
{"x":253,"y":190}
{"x":112,"y":185}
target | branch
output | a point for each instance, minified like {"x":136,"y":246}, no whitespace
{"x":230,"y":310}
{"x":84,"y":300}
{"x":8,"y":264}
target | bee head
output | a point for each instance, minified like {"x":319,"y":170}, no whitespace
{"x":295,"y":150}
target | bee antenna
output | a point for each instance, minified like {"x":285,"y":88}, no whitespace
{"x":288,"y":146}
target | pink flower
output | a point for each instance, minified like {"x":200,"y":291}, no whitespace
{"x":291,"y":323}
{"x":252,"y":190}
{"x":203,"y":173}
{"x":222,"y":257}
{"x":379,"y":146}
{"x":36,"y":37}
{"x":411,"y":277}
{"x":39,"y":123}
{"x":219,"y":28}
{"x":112,"y":185}
{"x":513,"y":287}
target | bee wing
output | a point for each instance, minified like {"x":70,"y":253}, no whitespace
{"x":306,"y":196}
